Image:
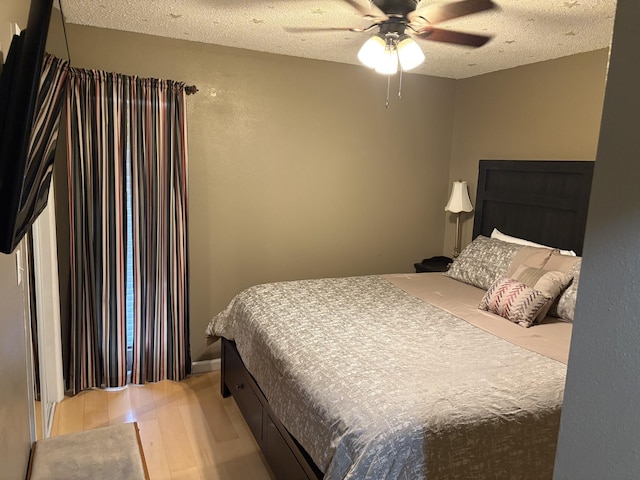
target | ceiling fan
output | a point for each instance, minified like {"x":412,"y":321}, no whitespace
{"x":399,"y":20}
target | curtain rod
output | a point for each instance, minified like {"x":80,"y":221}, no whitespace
{"x":190,"y":89}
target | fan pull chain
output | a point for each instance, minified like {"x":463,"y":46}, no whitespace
{"x":395,"y":44}
{"x":388,"y":87}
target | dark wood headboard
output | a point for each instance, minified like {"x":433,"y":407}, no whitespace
{"x":543,"y":201}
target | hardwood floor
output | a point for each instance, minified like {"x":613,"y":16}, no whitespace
{"x":188,"y":431}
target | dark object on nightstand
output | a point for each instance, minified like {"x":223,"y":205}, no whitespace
{"x":433,"y":264}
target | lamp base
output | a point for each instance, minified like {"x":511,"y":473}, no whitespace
{"x":456,"y":247}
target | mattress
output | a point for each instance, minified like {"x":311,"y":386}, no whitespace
{"x":381,"y":377}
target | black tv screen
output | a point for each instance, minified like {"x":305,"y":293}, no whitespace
{"x":27,"y":138}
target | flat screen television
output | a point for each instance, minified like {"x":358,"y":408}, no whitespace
{"x":25,"y":171}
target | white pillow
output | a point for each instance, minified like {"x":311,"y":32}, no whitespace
{"x":520,"y":241}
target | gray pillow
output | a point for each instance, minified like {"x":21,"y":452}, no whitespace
{"x":565,"y":305}
{"x":483,"y":261}
{"x":567,"y":301}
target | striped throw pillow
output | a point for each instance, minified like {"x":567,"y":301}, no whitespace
{"x":551,"y":283}
{"x":514,"y":301}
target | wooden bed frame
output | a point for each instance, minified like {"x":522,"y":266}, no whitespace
{"x":543,"y":201}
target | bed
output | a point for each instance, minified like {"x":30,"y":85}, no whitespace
{"x":403,"y":375}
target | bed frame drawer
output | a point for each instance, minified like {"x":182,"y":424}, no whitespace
{"x":287,"y":459}
{"x":240,"y":387}
{"x":280,"y":457}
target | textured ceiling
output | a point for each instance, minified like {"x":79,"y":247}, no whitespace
{"x":525,"y":31}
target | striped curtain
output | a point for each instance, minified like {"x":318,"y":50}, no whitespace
{"x":96,"y":157}
{"x":42,"y":145}
{"x":44,"y":137}
{"x":111,"y":119}
{"x":159,"y":211}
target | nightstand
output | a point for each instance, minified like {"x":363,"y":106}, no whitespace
{"x":433,"y":264}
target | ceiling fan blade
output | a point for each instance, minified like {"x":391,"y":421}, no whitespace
{"x":451,"y":36}
{"x":324,"y":29}
{"x":439,"y":13}
{"x":370,"y":11}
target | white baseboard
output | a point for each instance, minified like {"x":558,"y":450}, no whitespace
{"x":205,"y":366}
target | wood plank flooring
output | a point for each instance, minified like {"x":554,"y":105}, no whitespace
{"x":188,"y":431}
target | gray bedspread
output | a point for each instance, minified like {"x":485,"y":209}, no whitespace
{"x":377,"y":384}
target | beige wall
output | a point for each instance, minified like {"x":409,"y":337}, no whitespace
{"x":544,"y":111}
{"x":15,"y":438}
{"x":296,"y":168}
{"x":11,"y":11}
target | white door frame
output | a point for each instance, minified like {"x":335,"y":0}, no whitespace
{"x":22,"y":274}
{"x":47,"y":305}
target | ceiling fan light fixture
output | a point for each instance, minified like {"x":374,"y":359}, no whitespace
{"x":410,"y":54}
{"x":372,"y":51}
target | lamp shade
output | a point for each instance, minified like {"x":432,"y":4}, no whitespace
{"x":388,"y":64}
{"x":409,"y":53}
{"x":372,"y":51}
{"x":459,"y":200}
